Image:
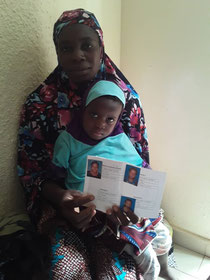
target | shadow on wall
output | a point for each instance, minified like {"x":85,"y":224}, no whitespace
{"x":24,"y":65}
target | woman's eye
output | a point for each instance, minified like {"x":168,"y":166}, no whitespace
{"x":87,"y":46}
{"x":66,"y":49}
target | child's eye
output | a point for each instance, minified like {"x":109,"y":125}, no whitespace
{"x":94,"y":115}
{"x":110,"y":120}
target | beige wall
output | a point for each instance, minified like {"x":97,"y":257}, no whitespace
{"x":27,"y":57}
{"x":166,"y":55}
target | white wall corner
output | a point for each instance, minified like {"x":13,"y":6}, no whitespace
{"x":191,"y":241}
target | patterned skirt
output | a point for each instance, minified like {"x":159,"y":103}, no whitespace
{"x":77,"y":255}
{"x":74,"y":257}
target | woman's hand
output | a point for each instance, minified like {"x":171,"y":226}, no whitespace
{"x":65,"y":201}
{"x":119,"y":217}
{"x":72,"y":200}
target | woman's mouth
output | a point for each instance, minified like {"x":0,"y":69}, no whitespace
{"x":79,"y":71}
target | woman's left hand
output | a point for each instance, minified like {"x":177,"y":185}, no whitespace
{"x":119,"y":217}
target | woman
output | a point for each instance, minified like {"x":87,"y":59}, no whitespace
{"x":48,"y":110}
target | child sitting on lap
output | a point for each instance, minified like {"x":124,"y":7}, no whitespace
{"x":96,"y":130}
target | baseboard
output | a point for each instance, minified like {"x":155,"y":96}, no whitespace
{"x":191,"y":241}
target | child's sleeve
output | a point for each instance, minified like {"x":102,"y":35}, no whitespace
{"x":61,"y":154}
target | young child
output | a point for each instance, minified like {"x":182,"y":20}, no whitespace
{"x":96,"y":130}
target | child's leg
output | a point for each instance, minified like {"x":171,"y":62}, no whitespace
{"x":146,"y":262}
{"x":165,"y":270}
{"x":162,"y":244}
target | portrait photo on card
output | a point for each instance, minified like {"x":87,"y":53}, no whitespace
{"x":94,"y":168}
{"x":132,"y":174}
{"x":127,"y":203}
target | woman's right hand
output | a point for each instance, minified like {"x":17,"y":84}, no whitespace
{"x":70,"y":201}
{"x":65,"y":201}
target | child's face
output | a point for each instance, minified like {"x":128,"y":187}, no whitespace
{"x":100,"y":117}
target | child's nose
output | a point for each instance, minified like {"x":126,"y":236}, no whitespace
{"x":101,"y":123}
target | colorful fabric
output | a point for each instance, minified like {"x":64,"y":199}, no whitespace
{"x":72,"y":259}
{"x":77,"y":16}
{"x":139,"y":235}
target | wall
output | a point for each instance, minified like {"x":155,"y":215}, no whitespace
{"x":27,"y":57}
{"x":165,"y":54}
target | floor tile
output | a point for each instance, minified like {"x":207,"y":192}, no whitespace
{"x":191,"y":241}
{"x":181,"y":275}
{"x":187,"y":261}
{"x":204,"y":270}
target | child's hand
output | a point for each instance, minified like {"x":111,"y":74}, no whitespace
{"x":119,"y":217}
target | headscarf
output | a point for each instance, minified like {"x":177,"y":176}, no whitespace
{"x":81,"y":16}
{"x":78,"y":16}
{"x":99,"y":89}
{"x":103,"y":88}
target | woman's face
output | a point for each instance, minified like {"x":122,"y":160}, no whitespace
{"x":79,"y":52}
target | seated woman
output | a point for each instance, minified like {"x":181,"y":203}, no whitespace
{"x":49,"y":110}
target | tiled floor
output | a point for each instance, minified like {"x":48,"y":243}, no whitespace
{"x":190,"y":265}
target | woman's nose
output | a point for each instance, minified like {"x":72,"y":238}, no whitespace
{"x":78,"y":55}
